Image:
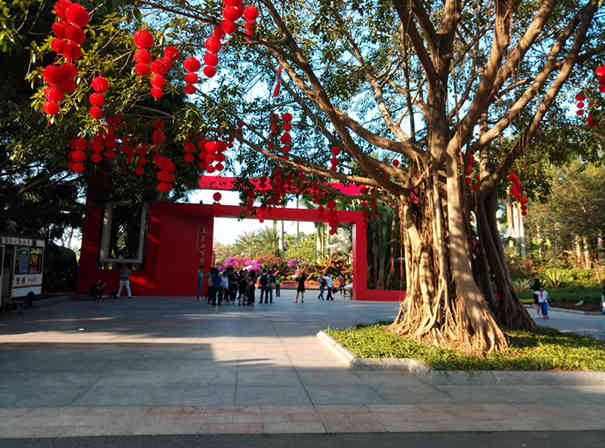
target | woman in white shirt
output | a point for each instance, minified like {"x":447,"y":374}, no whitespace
{"x":543,"y":301}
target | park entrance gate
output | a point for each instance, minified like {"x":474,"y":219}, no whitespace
{"x":178,"y":237}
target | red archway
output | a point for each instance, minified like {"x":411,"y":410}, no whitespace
{"x":179,"y":237}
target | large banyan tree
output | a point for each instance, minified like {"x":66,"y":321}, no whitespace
{"x":412,"y":92}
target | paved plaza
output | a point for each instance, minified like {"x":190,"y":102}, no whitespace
{"x":174,"y":366}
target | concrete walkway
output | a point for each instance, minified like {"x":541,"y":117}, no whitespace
{"x":173,"y":366}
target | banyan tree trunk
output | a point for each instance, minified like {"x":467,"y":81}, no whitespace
{"x":495,"y":279}
{"x":443,"y":304}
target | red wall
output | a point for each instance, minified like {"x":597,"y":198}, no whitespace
{"x":179,"y":237}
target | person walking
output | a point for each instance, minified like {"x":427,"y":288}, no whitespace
{"x":200,"y":282}
{"x":225,"y":287}
{"x":264,"y":278}
{"x":535,"y":287}
{"x":322,"y":287}
{"x":543,"y":301}
{"x":214,"y":289}
{"x":278,"y":284}
{"x":124,"y":280}
{"x":270,"y":286}
{"x":243,"y":288}
{"x":252,"y":287}
{"x":300,"y":287}
{"x":329,"y":288}
{"x":341,"y":284}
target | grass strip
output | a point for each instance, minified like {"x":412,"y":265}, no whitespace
{"x":547,"y":349}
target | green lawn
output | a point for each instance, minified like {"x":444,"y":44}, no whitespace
{"x":570,"y":294}
{"x":547,"y":349}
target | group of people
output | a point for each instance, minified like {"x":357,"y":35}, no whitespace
{"x":229,"y":286}
{"x":325,"y":285}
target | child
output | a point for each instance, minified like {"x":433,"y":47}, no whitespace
{"x":543,"y":301}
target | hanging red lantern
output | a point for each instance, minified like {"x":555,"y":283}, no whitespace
{"x":143,"y":39}
{"x":211,"y":59}
{"x":51,"y":108}
{"x":158,"y":67}
{"x":75,"y":34}
{"x":209,"y":71}
{"x":335,"y":150}
{"x":52,"y":74}
{"x":68,"y":71}
{"x":59,"y":29}
{"x":96,"y":99}
{"x":71,"y":51}
{"x":100,"y":84}
{"x":142,"y":69}
{"x":395,"y":163}
{"x":600,"y":71}
{"x":191,"y":78}
{"x":58,"y":45}
{"x":157,"y":81}
{"x":53,"y":93}
{"x":217,"y":196}
{"x":157,"y":93}
{"x":61,"y":8}
{"x":142,"y":56}
{"x":213,"y":44}
{"x":77,"y":14}
{"x":251,"y":13}
{"x":228,"y":26}
{"x":171,"y":52}
{"x":190,"y":89}
{"x":191,"y":64}
{"x":77,"y":156}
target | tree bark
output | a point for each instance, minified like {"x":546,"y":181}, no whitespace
{"x":443,"y":304}
{"x":490,"y":261}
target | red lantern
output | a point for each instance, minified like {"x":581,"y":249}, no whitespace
{"x":59,"y":28}
{"x":335,"y":150}
{"x":158,"y":67}
{"x":287,"y":117}
{"x":141,"y":69}
{"x":250,"y":13}
{"x":209,"y":71}
{"x":228,"y":26}
{"x":53,"y":93}
{"x":142,"y":56}
{"x":171,"y":52}
{"x":191,"y":64}
{"x":58,"y":45}
{"x":96,"y":158}
{"x":95,"y":112}
{"x":96,"y":99}
{"x":68,"y":70}
{"x":100,"y":84}
{"x":286,"y":139}
{"x":213,"y":44}
{"x":61,"y":8}
{"x":52,"y":74}
{"x":191,"y":78}
{"x":395,"y":163}
{"x":211,"y":59}
{"x":189,"y":158}
{"x":580,"y":97}
{"x":143,"y":39}
{"x":77,"y":156}
{"x":157,"y":93}
{"x":157,"y":81}
{"x":51,"y":108}
{"x":217,"y":196}
{"x":600,"y":71}
{"x":190,"y":89}
{"x":75,"y":34}
{"x":71,"y":51}
{"x":77,"y":14}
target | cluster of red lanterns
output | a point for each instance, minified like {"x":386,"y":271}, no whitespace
{"x":335,"y":150}
{"x":189,"y":150}
{"x":100,"y":85}
{"x":470,"y":162}
{"x":69,"y":35}
{"x":143,"y":40}
{"x":77,"y":156}
{"x":60,"y":80}
{"x":212,"y":151}
{"x":517,"y":192}
{"x":333,"y":221}
{"x":250,"y":14}
{"x":286,"y":138}
{"x":192,"y":65}
{"x":69,"y":29}
{"x":141,"y":151}
{"x":580,"y":97}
